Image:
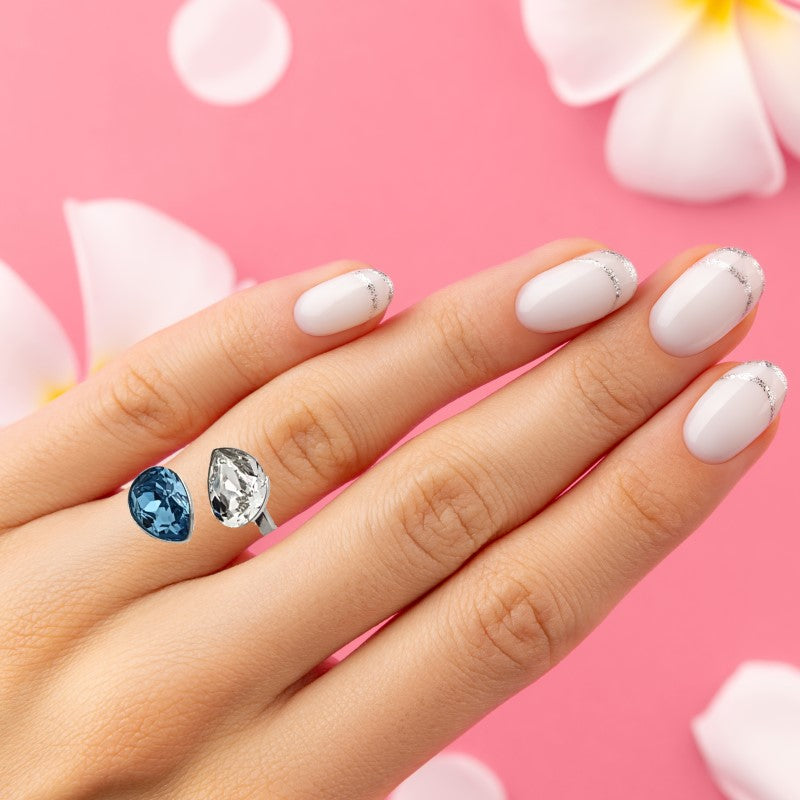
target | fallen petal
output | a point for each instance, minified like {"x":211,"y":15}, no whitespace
{"x":694,"y":128}
{"x":140,"y":271}
{"x":771,"y":32}
{"x":594,"y":48}
{"x":451,"y":775}
{"x":229,"y":52}
{"x":37,"y":361}
{"x":750,"y":734}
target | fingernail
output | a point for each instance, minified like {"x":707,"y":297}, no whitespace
{"x":735,"y":411}
{"x":343,"y":302}
{"x":582,"y":290}
{"x":710,"y":299}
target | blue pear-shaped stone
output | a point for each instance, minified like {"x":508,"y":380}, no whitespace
{"x":160,"y":504}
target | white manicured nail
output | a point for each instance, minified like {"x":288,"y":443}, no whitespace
{"x":582,"y":290}
{"x":343,"y":302}
{"x":735,"y":411}
{"x":711,"y":298}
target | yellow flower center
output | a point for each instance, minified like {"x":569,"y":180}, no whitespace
{"x":50,"y":392}
{"x":722,"y":12}
{"x":53,"y":390}
{"x":719,"y":12}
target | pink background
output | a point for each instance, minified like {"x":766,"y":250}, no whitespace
{"x":422,"y":137}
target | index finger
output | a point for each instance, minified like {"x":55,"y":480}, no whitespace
{"x":170,"y":387}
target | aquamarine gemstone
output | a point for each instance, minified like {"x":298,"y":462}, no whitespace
{"x":160,"y":504}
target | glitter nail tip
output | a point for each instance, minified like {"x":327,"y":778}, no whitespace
{"x":577,"y":292}
{"x":343,"y":302}
{"x":706,"y":302}
{"x":735,"y":411}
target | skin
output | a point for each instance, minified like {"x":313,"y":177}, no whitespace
{"x":133,"y":668}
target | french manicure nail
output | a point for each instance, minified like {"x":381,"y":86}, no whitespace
{"x":734,"y":411}
{"x":343,"y":302}
{"x":576,"y":292}
{"x":710,"y":299}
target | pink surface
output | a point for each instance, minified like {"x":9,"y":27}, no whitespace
{"x":423,"y":138}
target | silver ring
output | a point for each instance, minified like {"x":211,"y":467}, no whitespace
{"x":238,"y":490}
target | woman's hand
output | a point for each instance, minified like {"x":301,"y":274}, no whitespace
{"x":134,"y":668}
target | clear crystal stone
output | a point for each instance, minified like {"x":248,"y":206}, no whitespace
{"x":237,"y":487}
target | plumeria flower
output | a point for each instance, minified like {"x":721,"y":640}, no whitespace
{"x":706,"y":87}
{"x":139,"y":271}
{"x":750,"y":734}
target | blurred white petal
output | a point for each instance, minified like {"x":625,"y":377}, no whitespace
{"x":694,"y":128}
{"x":37,"y":361}
{"x":451,"y":775}
{"x":771,"y":32}
{"x":229,"y":52}
{"x":750,"y":734}
{"x":140,"y":271}
{"x":594,"y":48}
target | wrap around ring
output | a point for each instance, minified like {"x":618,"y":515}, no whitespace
{"x":238,"y":490}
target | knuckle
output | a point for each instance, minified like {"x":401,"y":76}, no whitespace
{"x":610,"y":396}
{"x":469,"y":356}
{"x":445,"y":511}
{"x":315,"y":434}
{"x":142,"y":396}
{"x":647,"y":507}
{"x":237,"y":334}
{"x":515,"y":625}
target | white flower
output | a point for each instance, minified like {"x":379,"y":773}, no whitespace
{"x":750,"y":734}
{"x":705,"y":86}
{"x":139,"y":271}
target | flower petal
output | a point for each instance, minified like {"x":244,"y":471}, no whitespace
{"x":695,"y":128}
{"x":140,"y":271}
{"x":594,"y":48}
{"x":771,"y":32}
{"x":750,"y":734}
{"x":37,"y":362}
{"x":229,"y":52}
{"x":451,"y":775}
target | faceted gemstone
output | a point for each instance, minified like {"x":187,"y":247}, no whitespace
{"x":237,"y":487}
{"x":160,"y":504}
